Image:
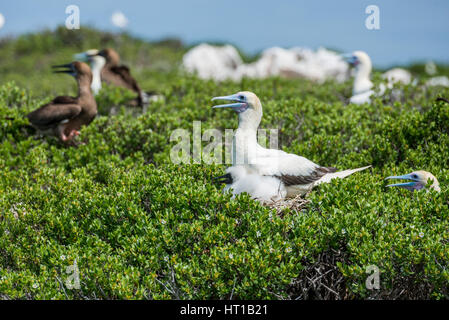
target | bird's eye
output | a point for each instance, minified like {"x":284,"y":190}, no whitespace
{"x":414,"y":176}
{"x":242,"y":97}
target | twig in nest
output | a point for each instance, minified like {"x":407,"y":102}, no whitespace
{"x":296,"y":204}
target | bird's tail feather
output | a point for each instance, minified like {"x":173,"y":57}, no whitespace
{"x":341,"y":174}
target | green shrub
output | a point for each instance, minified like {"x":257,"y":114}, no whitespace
{"x":140,"y":227}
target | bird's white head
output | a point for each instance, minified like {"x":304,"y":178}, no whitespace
{"x":362,"y":64}
{"x":419,"y":180}
{"x":359,"y":59}
{"x":92,"y":56}
{"x":84,"y":56}
{"x":248,"y":107}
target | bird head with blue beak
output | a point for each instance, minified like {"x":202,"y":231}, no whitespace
{"x":247,"y":105}
{"x":418,"y":180}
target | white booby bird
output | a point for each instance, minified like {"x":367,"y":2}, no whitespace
{"x":419,"y":180}
{"x":64,"y":116}
{"x":240,"y":179}
{"x":363,"y":87}
{"x":289,"y":175}
{"x":397,"y":75}
{"x":442,"y":81}
{"x":224,"y":62}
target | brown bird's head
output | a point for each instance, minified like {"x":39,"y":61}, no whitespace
{"x":79,"y":70}
{"x":111,"y":56}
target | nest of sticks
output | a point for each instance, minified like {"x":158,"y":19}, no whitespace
{"x":294,"y":204}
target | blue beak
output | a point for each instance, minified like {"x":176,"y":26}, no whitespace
{"x":239,"y":106}
{"x":352,"y":60}
{"x":407,"y":185}
{"x":86,"y":56}
{"x":81,"y":57}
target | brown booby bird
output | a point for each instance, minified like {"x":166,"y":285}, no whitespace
{"x":419,"y":180}
{"x":105,"y":67}
{"x":64,"y":116}
{"x":119,"y":75}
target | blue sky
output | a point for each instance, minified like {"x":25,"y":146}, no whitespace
{"x":409,"y":30}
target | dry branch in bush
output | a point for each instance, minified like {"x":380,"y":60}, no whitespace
{"x":320,"y":280}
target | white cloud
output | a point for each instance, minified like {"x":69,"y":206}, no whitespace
{"x":2,"y":20}
{"x":118,"y":19}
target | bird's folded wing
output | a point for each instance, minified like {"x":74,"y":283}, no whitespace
{"x":289,"y":168}
{"x":315,"y":175}
{"x":53,"y":113}
{"x":125,"y":74}
{"x":65,"y":100}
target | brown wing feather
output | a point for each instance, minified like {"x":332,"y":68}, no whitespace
{"x":291,"y":180}
{"x":53,"y":113}
{"x":65,"y":100}
{"x":125,"y":74}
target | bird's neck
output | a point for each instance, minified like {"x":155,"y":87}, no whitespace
{"x":362,"y":80}
{"x":248,"y":125}
{"x":84,"y":90}
{"x":244,"y":144}
{"x":249,"y":121}
{"x":96,"y":67}
{"x":96,"y":85}
{"x":249,"y":134}
{"x":436,"y":186}
{"x":96,"y":79}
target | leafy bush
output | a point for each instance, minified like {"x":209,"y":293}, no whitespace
{"x":140,"y":227}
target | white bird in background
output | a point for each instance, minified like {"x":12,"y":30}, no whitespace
{"x":397,"y":75}
{"x":419,"y":180}
{"x":221,"y":63}
{"x":268,"y":174}
{"x":97,"y":63}
{"x":432,"y":70}
{"x":363,"y":87}
{"x":441,"y":81}
{"x":213,"y":62}
{"x":319,"y":65}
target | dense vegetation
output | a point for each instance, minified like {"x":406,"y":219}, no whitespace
{"x":141,"y":227}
